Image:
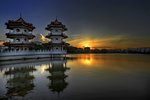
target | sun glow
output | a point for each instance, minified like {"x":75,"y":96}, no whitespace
{"x":86,"y":44}
{"x":100,"y":42}
{"x":87,"y":59}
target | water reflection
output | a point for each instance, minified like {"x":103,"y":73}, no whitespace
{"x":20,"y":81}
{"x":87,"y":59}
{"x":92,"y":77}
{"x":57,"y":69}
{"x":20,"y":76}
{"x":43,"y":68}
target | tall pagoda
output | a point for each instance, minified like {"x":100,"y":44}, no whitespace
{"x":20,"y":34}
{"x":56,"y":35}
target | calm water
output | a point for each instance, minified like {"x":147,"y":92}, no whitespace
{"x":80,"y":77}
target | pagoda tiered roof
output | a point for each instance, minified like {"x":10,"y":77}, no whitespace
{"x":56,"y":24}
{"x":62,"y":34}
{"x":19,"y":23}
{"x":56,"y":44}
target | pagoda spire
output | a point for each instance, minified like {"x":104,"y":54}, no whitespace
{"x":20,"y":15}
{"x":56,"y":20}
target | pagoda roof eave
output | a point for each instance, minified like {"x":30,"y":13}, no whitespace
{"x":19,"y":23}
{"x":30,"y":36}
{"x":20,"y":26}
{"x":50,"y":35}
{"x":56,"y":24}
{"x":51,"y":28}
{"x":18,"y":44}
{"x":56,"y":44}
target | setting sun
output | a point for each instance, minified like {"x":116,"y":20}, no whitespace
{"x":86,"y":44}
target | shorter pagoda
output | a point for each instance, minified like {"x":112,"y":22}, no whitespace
{"x":20,"y":35}
{"x":57,"y":45}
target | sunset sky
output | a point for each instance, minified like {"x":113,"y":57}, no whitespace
{"x":93,"y":23}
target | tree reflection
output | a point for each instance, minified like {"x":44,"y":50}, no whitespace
{"x":57,"y":69}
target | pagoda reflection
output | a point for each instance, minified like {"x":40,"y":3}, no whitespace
{"x":57,"y":69}
{"x":20,"y":81}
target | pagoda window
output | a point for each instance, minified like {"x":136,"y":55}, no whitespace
{"x":18,"y":30}
{"x":25,"y":30}
{"x":56,"y":38}
{"x":25,"y":39}
{"x":56,"y":30}
{"x":17,"y":49}
{"x":18,"y":40}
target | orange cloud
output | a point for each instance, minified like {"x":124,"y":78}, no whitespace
{"x":109,"y":41}
{"x":1,"y":43}
{"x":115,"y":41}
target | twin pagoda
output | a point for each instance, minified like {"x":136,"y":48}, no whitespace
{"x":20,"y":34}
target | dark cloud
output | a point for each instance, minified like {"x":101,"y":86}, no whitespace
{"x":95,"y":18}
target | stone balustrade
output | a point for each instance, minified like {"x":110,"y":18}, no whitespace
{"x":30,"y":52}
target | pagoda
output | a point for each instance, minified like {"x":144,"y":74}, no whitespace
{"x":57,"y":44}
{"x":20,"y":34}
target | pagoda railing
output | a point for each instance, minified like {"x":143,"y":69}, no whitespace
{"x":18,"y":42}
{"x":20,"y":33}
{"x":30,"y":52}
{"x":63,"y":34}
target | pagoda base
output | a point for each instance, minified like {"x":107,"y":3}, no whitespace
{"x":19,"y":55}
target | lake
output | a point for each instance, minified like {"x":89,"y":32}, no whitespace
{"x":77,"y":77}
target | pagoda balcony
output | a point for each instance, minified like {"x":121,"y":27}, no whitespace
{"x":60,"y":34}
{"x":29,"y":36}
{"x":18,"y":44}
{"x":12,"y":32}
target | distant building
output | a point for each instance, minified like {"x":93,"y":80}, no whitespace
{"x":87,"y":49}
{"x":139,"y":50}
{"x":57,"y":45}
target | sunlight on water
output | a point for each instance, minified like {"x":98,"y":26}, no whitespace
{"x":87,"y":59}
{"x":78,"y":77}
